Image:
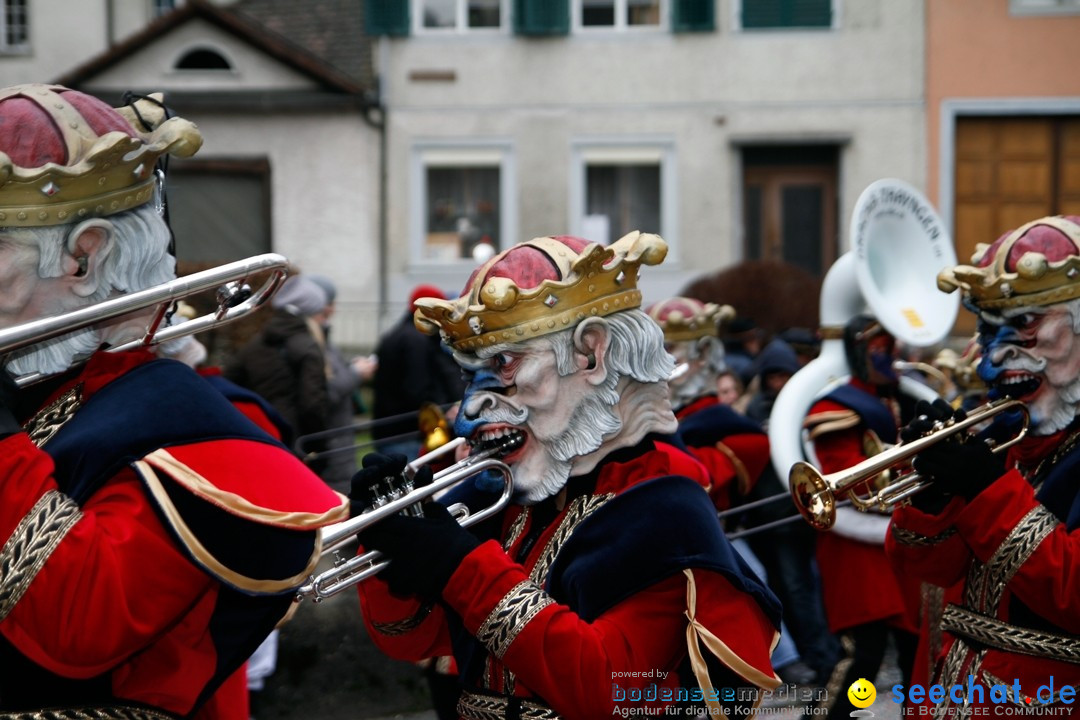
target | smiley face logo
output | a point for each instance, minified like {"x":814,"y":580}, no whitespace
{"x":862,"y":693}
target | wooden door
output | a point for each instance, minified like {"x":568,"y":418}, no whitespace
{"x":1010,"y":171}
{"x":790,"y":213}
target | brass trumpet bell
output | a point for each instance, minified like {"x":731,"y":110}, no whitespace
{"x":815,"y":494}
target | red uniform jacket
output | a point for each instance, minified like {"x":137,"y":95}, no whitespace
{"x":732,"y":447}
{"x":180,"y":553}
{"x":530,"y":617}
{"x":858,"y":583}
{"x":1010,"y":561}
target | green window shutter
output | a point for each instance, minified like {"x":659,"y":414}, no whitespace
{"x":693,"y":15}
{"x":542,"y":17}
{"x":786,"y":13}
{"x":387,"y":17}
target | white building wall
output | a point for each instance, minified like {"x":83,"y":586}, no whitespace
{"x":859,"y":84}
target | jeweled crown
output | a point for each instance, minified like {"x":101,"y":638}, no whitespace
{"x":577,"y":280}
{"x":1036,"y":264}
{"x":686,"y":319}
{"x":100,"y":174}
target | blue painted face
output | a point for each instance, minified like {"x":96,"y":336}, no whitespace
{"x":1032,"y":354}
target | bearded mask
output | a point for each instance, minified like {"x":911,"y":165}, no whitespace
{"x":1025,"y":288}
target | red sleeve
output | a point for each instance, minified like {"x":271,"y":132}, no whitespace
{"x":927,"y":546}
{"x":839,"y":450}
{"x":572,"y":663}
{"x":98,"y":574}
{"x":1049,"y":580}
{"x":734,"y":466}
{"x":401,"y":627}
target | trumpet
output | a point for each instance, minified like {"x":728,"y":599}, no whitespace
{"x":349,"y":572}
{"x":815,"y":494}
{"x":235,"y":300}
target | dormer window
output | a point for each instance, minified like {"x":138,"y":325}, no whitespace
{"x":203,"y":59}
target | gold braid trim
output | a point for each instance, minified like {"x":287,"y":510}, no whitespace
{"x":31,"y":544}
{"x":1010,"y":638}
{"x":510,"y":616}
{"x":473,"y":706}
{"x":118,"y":712}
{"x":400,"y":627}
{"x":910,"y":537}
{"x":1015,"y":551}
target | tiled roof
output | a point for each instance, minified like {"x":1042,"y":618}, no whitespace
{"x":333,"y":30}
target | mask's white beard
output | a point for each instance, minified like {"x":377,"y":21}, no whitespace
{"x":1057,"y":406}
{"x":691,"y":388}
{"x":56,"y":355}
{"x":1057,"y":411}
{"x":593,"y":419}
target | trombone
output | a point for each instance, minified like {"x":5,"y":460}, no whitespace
{"x":815,"y":494}
{"x":351,"y":571}
{"x":235,"y":300}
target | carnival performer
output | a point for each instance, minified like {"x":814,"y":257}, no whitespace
{"x":1001,"y":531}
{"x":607,"y":583}
{"x":735,"y":450}
{"x":150,"y":535}
{"x":866,"y":602}
{"x":732,"y":447}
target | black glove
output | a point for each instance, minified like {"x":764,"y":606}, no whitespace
{"x":959,"y":465}
{"x":9,"y":393}
{"x":376,"y":468}
{"x":423,"y":551}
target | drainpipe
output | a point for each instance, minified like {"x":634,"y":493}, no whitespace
{"x":377,"y":106}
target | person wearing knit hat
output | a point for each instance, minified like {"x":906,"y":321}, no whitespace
{"x":1001,"y":530}
{"x":301,"y":296}
{"x":139,"y":509}
{"x":609,"y":557}
{"x":412,"y":371}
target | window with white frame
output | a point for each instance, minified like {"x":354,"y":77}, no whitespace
{"x":618,"y":14}
{"x":461,"y":202}
{"x":622,"y":188}
{"x":460,"y":15}
{"x":1044,"y":7}
{"x":15,"y":32}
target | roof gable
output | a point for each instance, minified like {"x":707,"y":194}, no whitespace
{"x":240,"y":25}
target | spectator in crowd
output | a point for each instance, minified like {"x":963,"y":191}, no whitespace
{"x":773,"y":367}
{"x":286,"y":361}
{"x":343,"y":388}
{"x":413,"y":369}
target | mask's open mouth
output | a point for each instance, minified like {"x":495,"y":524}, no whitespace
{"x":503,"y":439}
{"x":1018,"y":384}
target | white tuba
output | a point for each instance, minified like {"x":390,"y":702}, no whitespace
{"x":898,"y":245}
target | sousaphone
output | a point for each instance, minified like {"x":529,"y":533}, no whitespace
{"x":898,"y":245}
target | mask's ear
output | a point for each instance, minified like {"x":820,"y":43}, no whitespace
{"x":591,"y":338}
{"x":88,"y":244}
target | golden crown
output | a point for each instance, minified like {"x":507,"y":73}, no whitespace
{"x":599,"y":281}
{"x":1036,"y":281}
{"x":685,"y":319}
{"x":104,"y":174}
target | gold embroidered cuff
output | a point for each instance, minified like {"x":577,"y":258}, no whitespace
{"x":511,"y":615}
{"x":910,"y":537}
{"x":31,"y":544}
